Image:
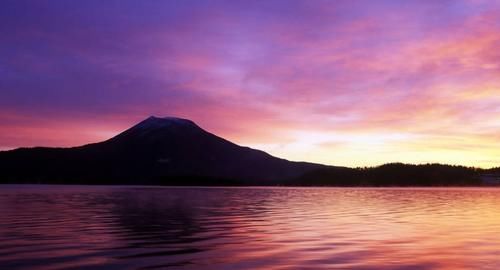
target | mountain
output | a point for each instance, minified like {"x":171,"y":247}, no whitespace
{"x":167,"y":151}
{"x":175,"y":151}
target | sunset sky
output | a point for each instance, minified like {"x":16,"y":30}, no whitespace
{"x":352,"y":83}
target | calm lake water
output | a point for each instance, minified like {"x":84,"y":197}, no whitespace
{"x":82,"y":227}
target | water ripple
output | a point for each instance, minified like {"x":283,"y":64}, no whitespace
{"x":82,"y":227}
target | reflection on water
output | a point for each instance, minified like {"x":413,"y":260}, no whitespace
{"x":80,"y":227}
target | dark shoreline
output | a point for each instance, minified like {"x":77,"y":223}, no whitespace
{"x":388,"y":175}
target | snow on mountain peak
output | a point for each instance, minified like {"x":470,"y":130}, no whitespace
{"x":162,"y":122}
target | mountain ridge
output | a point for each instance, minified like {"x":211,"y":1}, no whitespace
{"x":176,"y":151}
{"x":154,"y":151}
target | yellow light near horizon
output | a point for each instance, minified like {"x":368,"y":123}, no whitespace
{"x":355,"y":150}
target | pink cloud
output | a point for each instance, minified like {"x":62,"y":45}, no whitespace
{"x":258,"y":76}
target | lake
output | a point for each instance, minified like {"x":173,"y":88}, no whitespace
{"x":104,"y":227}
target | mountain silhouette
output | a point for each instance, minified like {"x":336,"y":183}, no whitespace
{"x":168,"y":151}
{"x":176,"y":151}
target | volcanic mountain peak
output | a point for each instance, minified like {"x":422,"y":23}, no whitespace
{"x":158,"y":150}
{"x":160,"y":128}
{"x":162,"y":122}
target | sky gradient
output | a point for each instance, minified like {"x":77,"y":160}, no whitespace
{"x":353,"y":83}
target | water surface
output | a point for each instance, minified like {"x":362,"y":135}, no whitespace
{"x":82,"y":227}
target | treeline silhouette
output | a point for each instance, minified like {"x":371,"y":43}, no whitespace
{"x":394,"y":174}
{"x":495,"y":170}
